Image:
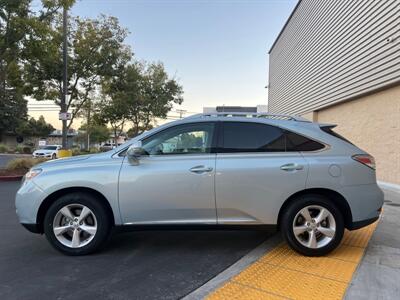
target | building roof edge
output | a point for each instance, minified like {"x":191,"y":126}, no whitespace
{"x":284,"y":26}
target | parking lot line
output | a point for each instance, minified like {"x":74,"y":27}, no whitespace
{"x":284,"y":274}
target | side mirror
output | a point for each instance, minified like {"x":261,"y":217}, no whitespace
{"x":134,"y":152}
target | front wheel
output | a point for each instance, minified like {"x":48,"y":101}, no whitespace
{"x":312,"y":225}
{"x":77,"y":224}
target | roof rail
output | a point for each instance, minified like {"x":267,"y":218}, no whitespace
{"x":251,"y":115}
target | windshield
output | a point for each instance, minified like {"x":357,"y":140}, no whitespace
{"x":50,"y":148}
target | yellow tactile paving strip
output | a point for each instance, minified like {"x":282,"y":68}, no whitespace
{"x":285,"y":274}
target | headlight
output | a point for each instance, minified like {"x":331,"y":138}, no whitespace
{"x":32,"y":173}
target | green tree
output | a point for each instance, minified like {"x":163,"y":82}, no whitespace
{"x":86,"y":113}
{"x":98,"y":133}
{"x":19,"y":25}
{"x":96,"y":49}
{"x":34,"y":128}
{"x":120,"y":94}
{"x":133,"y":131}
{"x":190,"y":140}
{"x":13,"y":25}
{"x":138,"y":94}
{"x":157,"y":95}
{"x":115,"y":112}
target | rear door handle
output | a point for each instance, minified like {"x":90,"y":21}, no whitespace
{"x":291,"y":167}
{"x":200,"y":169}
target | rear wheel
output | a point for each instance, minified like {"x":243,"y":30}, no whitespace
{"x":77,"y":224}
{"x":312,"y":225}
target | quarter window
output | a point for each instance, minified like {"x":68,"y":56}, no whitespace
{"x":183,"y":139}
{"x":296,"y":142}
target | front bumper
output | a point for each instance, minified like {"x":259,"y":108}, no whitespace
{"x":42,"y":155}
{"x":27,"y":202}
{"x":34,"y":228}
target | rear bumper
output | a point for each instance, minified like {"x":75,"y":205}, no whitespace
{"x":361,"y":224}
{"x":365,"y":202}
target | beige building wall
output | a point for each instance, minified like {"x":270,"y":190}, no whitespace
{"x":372,"y":122}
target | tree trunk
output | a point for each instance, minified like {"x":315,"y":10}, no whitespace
{"x":115,"y":138}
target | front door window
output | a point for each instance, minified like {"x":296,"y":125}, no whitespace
{"x":183,"y":139}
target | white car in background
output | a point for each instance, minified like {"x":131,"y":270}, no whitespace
{"x":49,"y":151}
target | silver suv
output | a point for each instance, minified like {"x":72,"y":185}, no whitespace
{"x":209,"y":170}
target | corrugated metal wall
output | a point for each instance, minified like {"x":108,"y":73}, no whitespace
{"x":334,"y":50}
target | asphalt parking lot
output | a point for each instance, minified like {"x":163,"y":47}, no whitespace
{"x":136,"y":265}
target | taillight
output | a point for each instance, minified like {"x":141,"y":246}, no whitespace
{"x":365,"y":159}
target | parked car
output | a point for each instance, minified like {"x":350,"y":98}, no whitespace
{"x":217,"y":170}
{"x":107,"y":147}
{"x":49,"y":151}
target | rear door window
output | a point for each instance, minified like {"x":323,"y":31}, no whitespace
{"x":255,"y":137}
{"x":251,"y":137}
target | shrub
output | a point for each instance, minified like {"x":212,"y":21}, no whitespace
{"x":93,"y":150}
{"x":27,"y":150}
{"x":76,"y":151}
{"x":23,"y":164}
{"x":3,"y":148}
{"x":19,"y":149}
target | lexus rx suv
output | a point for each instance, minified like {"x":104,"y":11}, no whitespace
{"x":209,"y":170}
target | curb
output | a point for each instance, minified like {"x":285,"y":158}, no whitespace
{"x":389,"y":186}
{"x":15,"y":154}
{"x":11,"y":178}
{"x":236,"y":268}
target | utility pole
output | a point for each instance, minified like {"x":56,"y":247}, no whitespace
{"x":65,"y":80}
{"x":181,"y":112}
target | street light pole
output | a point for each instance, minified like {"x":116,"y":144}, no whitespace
{"x":65,"y":80}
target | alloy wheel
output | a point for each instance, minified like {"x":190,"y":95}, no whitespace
{"x":314,"y":226}
{"x":75,"y":225}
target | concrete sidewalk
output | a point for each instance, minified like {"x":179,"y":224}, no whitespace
{"x":378,"y":275}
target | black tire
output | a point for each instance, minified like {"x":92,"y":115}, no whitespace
{"x":100,"y":212}
{"x":54,"y":156}
{"x":289,"y":216}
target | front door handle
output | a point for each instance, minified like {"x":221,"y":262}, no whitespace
{"x":291,"y":167}
{"x":200,"y":169}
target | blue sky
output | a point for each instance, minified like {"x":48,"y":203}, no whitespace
{"x":218,"y":50}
